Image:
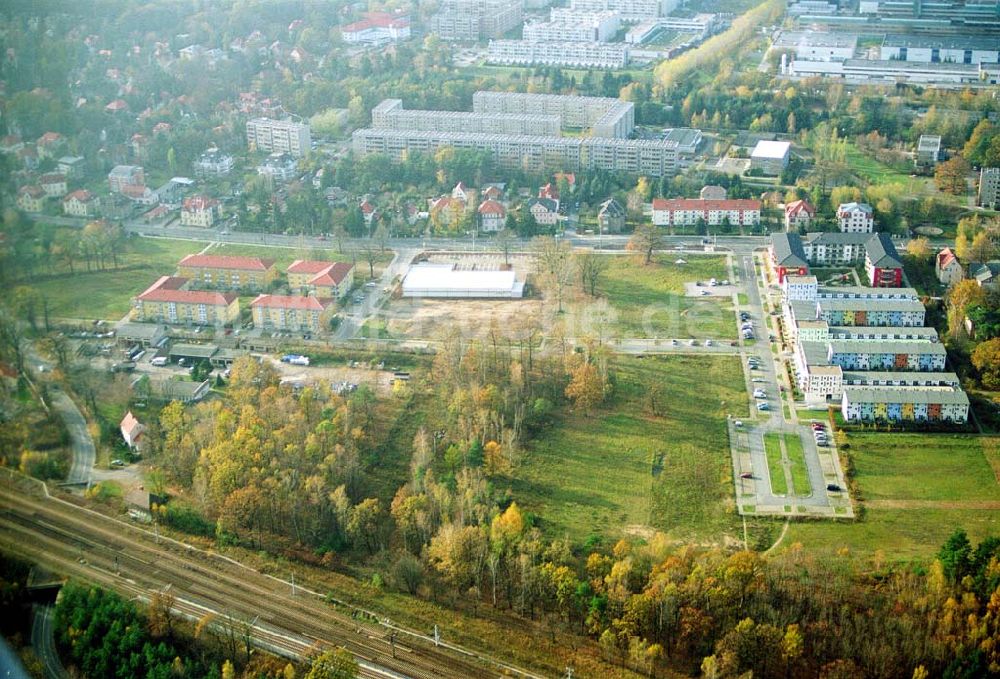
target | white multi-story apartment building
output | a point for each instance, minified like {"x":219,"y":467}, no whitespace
{"x":989,"y":186}
{"x":800,"y":288}
{"x":567,"y":54}
{"x":279,"y":136}
{"x":391,"y":115}
{"x":606,"y":117}
{"x":631,"y":11}
{"x":569,"y":25}
{"x":690,"y":211}
{"x":471,"y":20}
{"x":213,"y":162}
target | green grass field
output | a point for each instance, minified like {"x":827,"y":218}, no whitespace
{"x":796,"y":456}
{"x":772,"y":448}
{"x":622,"y":469}
{"x":917,"y":488}
{"x":649,"y":301}
{"x":107,"y":294}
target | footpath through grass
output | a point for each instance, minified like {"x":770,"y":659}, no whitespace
{"x":655,"y":456}
{"x":916,"y":490}
{"x":772,"y":448}
{"x":650,"y":300}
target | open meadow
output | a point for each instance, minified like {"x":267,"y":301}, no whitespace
{"x":655,"y":457}
{"x":916,"y":490}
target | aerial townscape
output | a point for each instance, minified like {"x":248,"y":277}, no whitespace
{"x":500,"y":338}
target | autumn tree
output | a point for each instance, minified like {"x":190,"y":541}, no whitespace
{"x":555,"y":265}
{"x":986,"y":359}
{"x":645,"y":242}
{"x":919,"y":248}
{"x":961,"y":297}
{"x":335,"y":664}
{"x":951,"y":176}
{"x":585,"y":389}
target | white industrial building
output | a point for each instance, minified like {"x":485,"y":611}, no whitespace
{"x":818,"y":45}
{"x":448,"y":281}
{"x":570,"y":25}
{"x":959,"y":49}
{"x":771,"y":157}
{"x":893,"y":71}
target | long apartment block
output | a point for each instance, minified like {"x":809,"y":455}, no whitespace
{"x":568,"y":54}
{"x":391,"y":115}
{"x":279,"y":136}
{"x":607,"y":147}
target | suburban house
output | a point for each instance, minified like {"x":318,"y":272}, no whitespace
{"x":799,"y":215}
{"x":28,"y":157}
{"x":228,"y":272}
{"x":138,"y":193}
{"x":691,"y":211}
{"x":492,"y":216}
{"x":377,"y":28}
{"x":326,"y":280}
{"x":550,"y":191}
{"x":213,"y":162}
{"x":53,"y":184}
{"x":81,"y":203}
{"x":987,"y":274}
{"x":71,"y":166}
{"x":279,"y":167}
{"x":611,"y":216}
{"x":544,"y":210}
{"x":492,"y":192}
{"x":788,"y":257}
{"x":167,"y":301}
{"x":200,"y":211}
{"x":31,"y":198}
{"x":882,"y":263}
{"x":368,"y":212}
{"x":463,"y":193}
{"x":948,"y":268}
{"x":11,"y":143}
{"x":131,"y":430}
{"x":928,"y":150}
{"x":122,"y":176}
{"x":855,"y":218}
{"x":50,"y":145}
{"x":285,"y":312}
{"x":446,"y":210}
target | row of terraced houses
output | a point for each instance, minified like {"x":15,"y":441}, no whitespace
{"x":865,"y":347}
{"x":205,"y":292}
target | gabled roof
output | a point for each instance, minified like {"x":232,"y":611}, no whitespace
{"x":227,"y":262}
{"x":33,"y":191}
{"x":170,"y":289}
{"x":855,"y":207}
{"x":880,"y":251}
{"x":549,"y":191}
{"x":49,"y":138}
{"x":367,"y":208}
{"x":323,"y":273}
{"x":946,"y":258}
{"x":130,"y":426}
{"x":491,"y":207}
{"x":547,"y":203}
{"x":985,"y":273}
{"x":82,"y":195}
{"x":199,"y":204}
{"x":797,"y":206}
{"x":692,"y":204}
{"x":788,"y":250}
{"x":52,"y":178}
{"x":309,"y":303}
{"x":612,"y":208}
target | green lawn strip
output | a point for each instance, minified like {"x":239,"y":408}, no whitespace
{"x":796,"y":456}
{"x":651,"y":301}
{"x":622,"y":465}
{"x":772,"y":447}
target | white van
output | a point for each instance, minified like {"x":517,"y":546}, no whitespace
{"x":159,"y":361}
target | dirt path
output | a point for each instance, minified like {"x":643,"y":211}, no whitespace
{"x":932,"y":504}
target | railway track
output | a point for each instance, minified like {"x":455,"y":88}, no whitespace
{"x":133,"y":561}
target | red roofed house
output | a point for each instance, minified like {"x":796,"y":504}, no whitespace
{"x":947,"y":267}
{"x":376,"y":28}
{"x":167,"y":301}
{"x":116,"y":106}
{"x":200,"y":211}
{"x":462,"y":192}
{"x":50,"y":145}
{"x":31,"y":198}
{"x":53,"y":184}
{"x":11,"y":144}
{"x":228,"y":272}
{"x":492,"y":216}
{"x":284,"y":312}
{"x":492,"y":193}
{"x":161,"y":128}
{"x":798,"y":215}
{"x":330,"y":280}
{"x":689,"y":211}
{"x":81,"y":203}
{"x":550,"y":191}
{"x":368,"y":211}
{"x":131,"y":430}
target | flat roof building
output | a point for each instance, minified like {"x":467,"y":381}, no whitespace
{"x":771,"y":157}
{"x":446,"y":280}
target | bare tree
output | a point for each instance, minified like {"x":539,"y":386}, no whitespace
{"x":555,"y":265}
{"x":591,"y":266}
{"x":505,"y":242}
{"x":381,"y":238}
{"x":369,"y":253}
{"x":645,"y":241}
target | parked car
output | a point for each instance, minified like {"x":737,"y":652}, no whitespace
{"x":833,"y":487}
{"x":746,"y":475}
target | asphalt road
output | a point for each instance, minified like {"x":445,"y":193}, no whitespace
{"x":44,"y":644}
